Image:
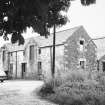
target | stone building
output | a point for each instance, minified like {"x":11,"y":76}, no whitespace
{"x":4,"y":65}
{"x":75,"y":50}
{"x":100,"y":43}
{"x":10,"y":59}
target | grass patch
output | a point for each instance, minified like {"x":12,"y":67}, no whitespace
{"x":75,"y":89}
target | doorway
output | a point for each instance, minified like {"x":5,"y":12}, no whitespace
{"x":103,"y":66}
{"x":40,"y":70}
{"x":24,"y":67}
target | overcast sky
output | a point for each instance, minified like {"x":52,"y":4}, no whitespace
{"x":91,"y":17}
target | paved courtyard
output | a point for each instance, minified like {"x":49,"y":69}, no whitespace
{"x":20,"y":92}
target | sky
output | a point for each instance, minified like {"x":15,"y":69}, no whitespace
{"x":91,"y":17}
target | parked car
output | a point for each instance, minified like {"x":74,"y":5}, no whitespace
{"x":3,"y":76}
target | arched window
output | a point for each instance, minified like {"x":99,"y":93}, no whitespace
{"x":31,"y":52}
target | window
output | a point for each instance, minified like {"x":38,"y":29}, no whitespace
{"x":24,"y":66}
{"x":39,"y":68}
{"x":81,"y":45}
{"x":11,"y":53}
{"x":11,"y":68}
{"x":39,"y":51}
{"x":103,"y":64}
{"x":82,"y":64}
{"x":98,"y":65}
{"x":32,"y":52}
{"x":81,"y":42}
{"x":23,"y":53}
{"x":39,"y":65}
{"x":4,"y":56}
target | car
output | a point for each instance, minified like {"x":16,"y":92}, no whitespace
{"x":3,"y":76}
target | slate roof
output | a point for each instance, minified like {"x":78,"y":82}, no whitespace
{"x":14,"y":47}
{"x":61,"y":37}
{"x":100,"y":43}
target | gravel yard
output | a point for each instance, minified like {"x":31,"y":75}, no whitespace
{"x":20,"y":92}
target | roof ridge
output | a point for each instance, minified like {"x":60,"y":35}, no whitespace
{"x":98,"y":38}
{"x":69,"y":28}
{"x":56,"y":32}
{"x":61,"y":31}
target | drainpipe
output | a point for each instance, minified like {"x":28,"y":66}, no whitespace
{"x":51,"y":57}
{"x":16,"y":64}
{"x":8,"y":63}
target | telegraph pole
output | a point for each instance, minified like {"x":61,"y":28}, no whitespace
{"x":54,"y":39}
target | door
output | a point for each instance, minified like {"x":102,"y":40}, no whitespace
{"x":24,"y":65}
{"x":40,"y":70}
{"x":103,"y":66}
{"x":11,"y":70}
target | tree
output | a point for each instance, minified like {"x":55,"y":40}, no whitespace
{"x":17,"y":15}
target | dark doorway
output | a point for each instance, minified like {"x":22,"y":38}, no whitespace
{"x":24,"y":67}
{"x":103,"y":66}
{"x":40,"y":70}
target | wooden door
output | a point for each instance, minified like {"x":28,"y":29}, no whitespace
{"x":23,"y":70}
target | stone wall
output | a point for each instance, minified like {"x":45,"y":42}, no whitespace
{"x":100,"y":65}
{"x":4,"y":58}
{"x":68,"y":57}
{"x":16,"y":59}
{"x":31,"y":72}
{"x":72,"y":52}
{"x":46,"y":59}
